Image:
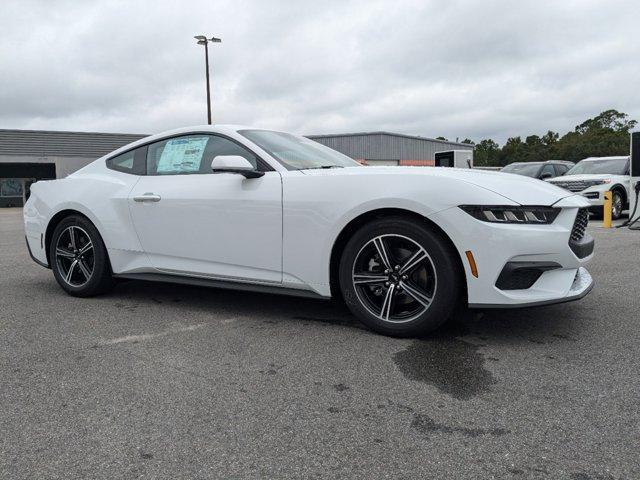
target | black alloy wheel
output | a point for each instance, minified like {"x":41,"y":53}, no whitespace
{"x":79,"y":259}
{"x":400,"y":277}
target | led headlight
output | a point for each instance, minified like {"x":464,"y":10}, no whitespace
{"x":507,"y":214}
{"x":591,"y":183}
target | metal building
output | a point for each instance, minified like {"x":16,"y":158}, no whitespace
{"x":30,"y":155}
{"x":386,"y":148}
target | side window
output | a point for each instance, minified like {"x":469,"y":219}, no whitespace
{"x":176,"y":156}
{"x":560,"y":169}
{"x":548,"y":169}
{"x":129,"y":162}
{"x":191,"y":154}
{"x":221,"y":146}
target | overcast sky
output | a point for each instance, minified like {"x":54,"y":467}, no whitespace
{"x":477,"y":69}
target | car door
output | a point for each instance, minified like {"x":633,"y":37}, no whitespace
{"x":192,"y":221}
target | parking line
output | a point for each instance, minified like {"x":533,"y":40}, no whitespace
{"x":149,"y":336}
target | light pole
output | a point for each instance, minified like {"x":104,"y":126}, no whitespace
{"x":202,"y":40}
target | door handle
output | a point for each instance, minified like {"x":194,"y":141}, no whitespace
{"x":147,"y":197}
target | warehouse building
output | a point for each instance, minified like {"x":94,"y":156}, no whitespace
{"x":30,"y":155}
{"x":385,"y":148}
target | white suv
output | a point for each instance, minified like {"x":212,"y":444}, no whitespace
{"x":595,"y":175}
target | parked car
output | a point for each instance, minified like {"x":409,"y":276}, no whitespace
{"x":593,"y":176}
{"x":240,"y":207}
{"x":539,"y":170}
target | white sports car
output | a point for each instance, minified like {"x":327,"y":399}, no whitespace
{"x":246,"y":208}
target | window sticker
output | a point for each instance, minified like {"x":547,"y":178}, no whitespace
{"x":182,"y":155}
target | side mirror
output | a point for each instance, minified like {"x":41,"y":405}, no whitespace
{"x":234,"y":164}
{"x":545,"y":175}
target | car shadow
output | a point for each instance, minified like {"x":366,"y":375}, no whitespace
{"x":455,"y":359}
{"x":275,"y":308}
{"x":499,"y":326}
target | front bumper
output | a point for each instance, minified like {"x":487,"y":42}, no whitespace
{"x":582,"y":284}
{"x":495,"y":245}
{"x":595,"y":194}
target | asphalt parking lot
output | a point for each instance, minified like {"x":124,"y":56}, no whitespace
{"x":169,"y":381}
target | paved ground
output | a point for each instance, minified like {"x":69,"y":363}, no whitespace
{"x":166,"y":381}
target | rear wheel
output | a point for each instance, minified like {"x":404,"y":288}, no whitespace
{"x":399,"y":277}
{"x":79,"y":258}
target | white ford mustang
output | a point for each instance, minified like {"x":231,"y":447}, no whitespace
{"x":246,"y":208}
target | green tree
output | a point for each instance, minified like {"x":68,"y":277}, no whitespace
{"x":603,"y":135}
{"x":610,"y":120}
{"x":550,"y":138}
{"x":486,"y":153}
{"x":512,"y":151}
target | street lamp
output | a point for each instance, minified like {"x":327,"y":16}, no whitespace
{"x":202,"y":40}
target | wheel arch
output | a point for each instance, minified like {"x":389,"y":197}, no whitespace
{"x":623,"y":191}
{"x":350,"y":228}
{"x":55,"y":221}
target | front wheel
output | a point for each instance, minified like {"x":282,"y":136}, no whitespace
{"x":617,"y":205}
{"x":79,"y":258}
{"x":399,"y":277}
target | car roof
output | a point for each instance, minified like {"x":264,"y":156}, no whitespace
{"x":542,"y":162}
{"x":593,"y":159}
{"x":216,"y":128}
{"x":562,"y":162}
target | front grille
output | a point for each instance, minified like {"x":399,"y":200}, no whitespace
{"x":576,"y":185}
{"x":580,"y":225}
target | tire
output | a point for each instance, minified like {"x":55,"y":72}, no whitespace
{"x":617,"y":205}
{"x":81,"y":267}
{"x":399,"y":303}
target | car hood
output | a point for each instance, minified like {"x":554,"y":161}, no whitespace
{"x":517,"y":188}
{"x":579,"y":178}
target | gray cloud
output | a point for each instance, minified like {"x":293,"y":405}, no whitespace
{"x":453,"y":68}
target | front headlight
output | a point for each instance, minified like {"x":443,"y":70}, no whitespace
{"x":508,"y":214}
{"x":593,"y":183}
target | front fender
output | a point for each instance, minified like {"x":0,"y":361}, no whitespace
{"x":317,"y":209}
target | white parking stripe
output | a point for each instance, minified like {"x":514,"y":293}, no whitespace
{"x":148,"y":336}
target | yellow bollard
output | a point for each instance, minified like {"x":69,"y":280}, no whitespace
{"x":608,"y":205}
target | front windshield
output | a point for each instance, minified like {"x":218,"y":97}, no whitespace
{"x":608,"y":166}
{"x":526,"y":169}
{"x":297,"y":153}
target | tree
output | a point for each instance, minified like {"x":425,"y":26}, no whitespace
{"x":550,"y":138}
{"x":610,"y":120}
{"x":512,"y":151}
{"x":604,"y":135}
{"x":486,"y":153}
